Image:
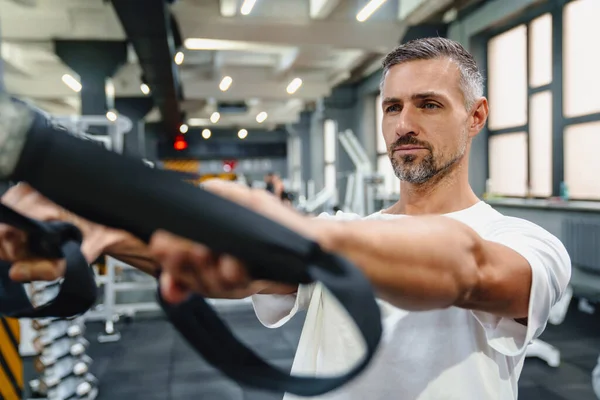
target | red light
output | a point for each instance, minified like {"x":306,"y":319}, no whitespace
{"x":180,"y":143}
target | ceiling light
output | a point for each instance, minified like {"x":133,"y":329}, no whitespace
{"x":145,"y":88}
{"x":261,"y":117}
{"x":183,"y":128}
{"x":294,"y":85}
{"x":71,"y":82}
{"x":225,"y":83}
{"x":368,"y":10}
{"x":111,"y":116}
{"x":214,"y":118}
{"x":242,"y":134}
{"x":206,"y":133}
{"x":179,"y":58}
{"x":247,"y":7}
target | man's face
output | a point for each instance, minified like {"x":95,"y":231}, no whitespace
{"x":424,"y":118}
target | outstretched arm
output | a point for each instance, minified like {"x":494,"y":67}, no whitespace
{"x":415,"y":263}
{"x":431,"y":262}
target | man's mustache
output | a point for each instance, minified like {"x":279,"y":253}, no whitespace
{"x":408,"y":141}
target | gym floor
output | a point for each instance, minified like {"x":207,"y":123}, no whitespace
{"x":152,"y":362}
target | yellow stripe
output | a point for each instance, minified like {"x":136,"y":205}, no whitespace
{"x":6,"y":388}
{"x":15,"y":328}
{"x":10,"y":354}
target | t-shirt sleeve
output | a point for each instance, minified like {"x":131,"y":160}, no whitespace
{"x":275,"y":310}
{"x":551,"y":271}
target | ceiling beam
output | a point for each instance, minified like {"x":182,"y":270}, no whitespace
{"x":381,"y":36}
{"x":286,"y":63}
{"x":243,"y":90}
{"x":74,"y":21}
{"x":15,"y":59}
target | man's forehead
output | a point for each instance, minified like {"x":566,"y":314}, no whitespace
{"x":406,"y":79}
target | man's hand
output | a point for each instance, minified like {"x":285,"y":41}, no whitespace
{"x":25,"y":268}
{"x":13,"y":248}
{"x":191,"y":267}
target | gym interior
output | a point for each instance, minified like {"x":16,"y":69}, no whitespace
{"x":284,"y":95}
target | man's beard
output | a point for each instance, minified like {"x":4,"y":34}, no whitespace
{"x":412,"y":170}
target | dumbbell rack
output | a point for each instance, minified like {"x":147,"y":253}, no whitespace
{"x":61,"y":361}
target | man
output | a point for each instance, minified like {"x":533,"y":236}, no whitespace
{"x":462,"y":288}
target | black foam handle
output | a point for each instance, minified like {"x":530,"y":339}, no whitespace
{"x":121,"y":192}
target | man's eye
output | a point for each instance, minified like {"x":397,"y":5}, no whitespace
{"x":430,"y":106}
{"x":393,"y":108}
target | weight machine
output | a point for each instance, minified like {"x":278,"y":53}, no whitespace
{"x":362,"y":183}
{"x":324,"y":198}
{"x":113,"y":139}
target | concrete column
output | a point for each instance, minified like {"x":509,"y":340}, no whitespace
{"x":94,"y":61}
{"x":136,"y":109}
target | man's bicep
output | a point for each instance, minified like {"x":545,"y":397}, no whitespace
{"x":504,"y":283}
{"x":549,"y":270}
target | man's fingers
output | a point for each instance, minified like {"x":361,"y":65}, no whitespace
{"x":163,"y":243}
{"x":37,"y":270}
{"x":172,"y":291}
{"x":233,"y":273}
{"x":12,"y":243}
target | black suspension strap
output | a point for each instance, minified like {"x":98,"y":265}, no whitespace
{"x":123,"y":193}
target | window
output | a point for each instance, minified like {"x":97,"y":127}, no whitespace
{"x":521,"y":109}
{"x":391,"y":185}
{"x":581,"y":161}
{"x":540,"y":54}
{"x":508,"y":167}
{"x":329,"y":146}
{"x":581,"y":104}
{"x":540,"y":140}
{"x":581,"y":63}
{"x":507,"y":87}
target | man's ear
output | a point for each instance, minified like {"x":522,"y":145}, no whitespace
{"x":479,"y":116}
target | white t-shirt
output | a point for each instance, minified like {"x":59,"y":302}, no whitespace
{"x":445,"y":354}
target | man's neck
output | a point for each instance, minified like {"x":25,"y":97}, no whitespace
{"x":447,"y":194}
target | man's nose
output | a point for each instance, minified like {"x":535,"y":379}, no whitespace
{"x":406,"y":123}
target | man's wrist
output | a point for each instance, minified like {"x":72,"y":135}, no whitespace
{"x":330,"y":235}
{"x":97,"y":240}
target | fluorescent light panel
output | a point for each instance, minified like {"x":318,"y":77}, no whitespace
{"x":368,"y":10}
{"x":179,"y":58}
{"x":261,"y":117}
{"x":247,"y":7}
{"x":71,"y":83}
{"x":294,"y":85}
{"x":225,"y":83}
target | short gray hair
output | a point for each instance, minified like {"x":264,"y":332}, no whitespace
{"x":471,"y":80}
